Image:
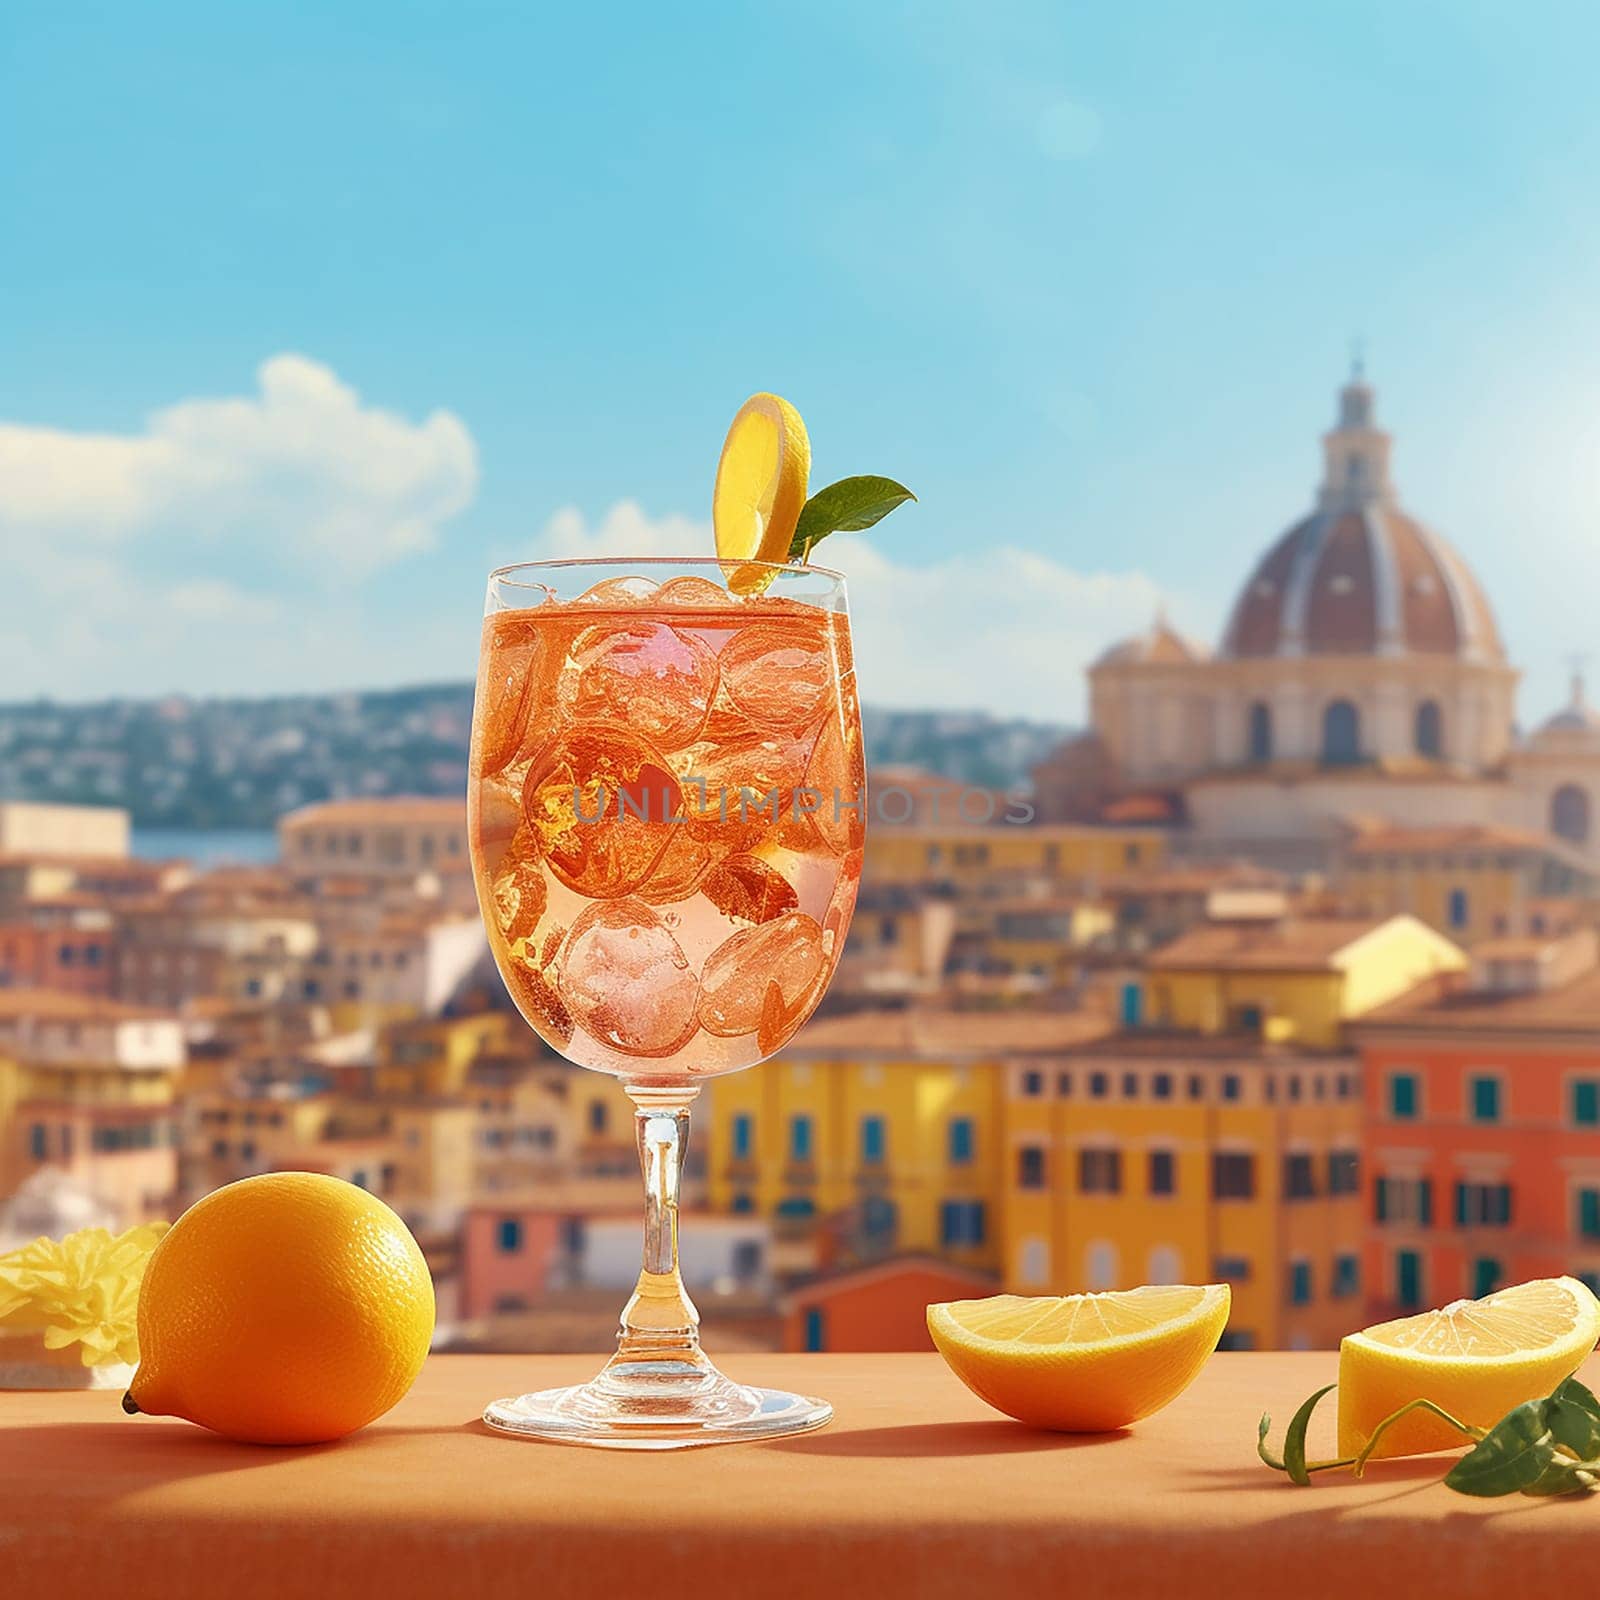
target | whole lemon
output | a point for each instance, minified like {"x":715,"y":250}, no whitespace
{"x":291,"y":1308}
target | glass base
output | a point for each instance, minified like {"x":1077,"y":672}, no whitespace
{"x":657,"y":1405}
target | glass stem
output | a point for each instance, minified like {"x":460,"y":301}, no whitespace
{"x":660,"y":1323}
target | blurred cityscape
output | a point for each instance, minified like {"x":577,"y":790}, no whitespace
{"x":1290,"y":979}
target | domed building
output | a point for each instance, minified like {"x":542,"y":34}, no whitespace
{"x":1360,"y":676}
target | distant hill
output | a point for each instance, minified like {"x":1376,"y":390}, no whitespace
{"x":192,"y":763}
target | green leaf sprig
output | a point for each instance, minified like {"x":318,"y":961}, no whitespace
{"x":847,"y":506}
{"x":1542,"y":1447}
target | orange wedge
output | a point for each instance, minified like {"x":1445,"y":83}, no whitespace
{"x":1476,"y":1358}
{"x":1082,"y":1363}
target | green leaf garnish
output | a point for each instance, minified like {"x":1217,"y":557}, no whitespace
{"x":1294,"y":1441}
{"x":1513,"y":1455}
{"x":1574,"y":1419}
{"x":847,"y":506}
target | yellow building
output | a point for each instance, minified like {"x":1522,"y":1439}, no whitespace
{"x":1291,"y":980}
{"x":87,"y":1086}
{"x":989,"y":858}
{"x":1150,"y":1159}
{"x":877,"y":1133}
{"x":1471,"y":881}
{"x":432,"y":1055}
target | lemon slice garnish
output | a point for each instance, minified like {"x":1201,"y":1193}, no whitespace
{"x":761,"y":481}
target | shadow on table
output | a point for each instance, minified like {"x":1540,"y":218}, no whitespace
{"x":121,"y":1457}
{"x":942,"y":1439}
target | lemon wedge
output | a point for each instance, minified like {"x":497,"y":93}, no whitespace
{"x":1082,"y":1363}
{"x":761,"y":481}
{"x":1476,"y":1358}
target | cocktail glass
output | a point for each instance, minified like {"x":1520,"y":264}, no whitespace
{"x":666,"y":812}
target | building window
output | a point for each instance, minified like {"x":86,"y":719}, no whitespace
{"x":1299,"y":1177}
{"x":743,"y":1136}
{"x":1300,"y":1283}
{"x":1064,"y":1084}
{"x":1459,"y":911}
{"x":1197,"y":1087}
{"x":1030,"y":1167}
{"x":1346,"y":1277}
{"x":1403,"y":1096}
{"x":962,"y":1141}
{"x":38,"y":1141}
{"x":508,"y":1237}
{"x":1132,"y":1005}
{"x":1161,"y":1086}
{"x":1344,"y":1172}
{"x":1408,"y":1278}
{"x":1487,"y":1275}
{"x":1483,"y":1205}
{"x":1130,"y":1086}
{"x":1098,"y":1084}
{"x":1341,"y":734}
{"x":1162,"y":1172}
{"x":1100,"y":1172}
{"x":1232,"y":1269}
{"x":1236,"y":1339}
{"x":872,"y":1140}
{"x":1230,"y":1086}
{"x":799,"y":1138}
{"x":1586,"y":1102}
{"x":1589,"y":1213}
{"x":1569,"y":813}
{"x":1404,"y":1200}
{"x":816,"y":1329}
{"x":1260,"y":731}
{"x":742,"y":1202}
{"x":1033,"y":1084}
{"x":1485,"y":1099}
{"x":598,"y":1116}
{"x":1429,"y":732}
{"x":961,"y":1223}
{"x":1233,"y":1175}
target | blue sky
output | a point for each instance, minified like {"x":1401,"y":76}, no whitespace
{"x":1084,"y":276}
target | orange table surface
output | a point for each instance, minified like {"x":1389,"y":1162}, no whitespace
{"x":916,"y":1488}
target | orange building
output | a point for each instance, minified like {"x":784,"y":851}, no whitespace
{"x":1482,"y":1128}
{"x":879,"y":1307}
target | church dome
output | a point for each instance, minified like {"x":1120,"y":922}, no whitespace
{"x":1358,"y":576}
{"x":1575,"y":722}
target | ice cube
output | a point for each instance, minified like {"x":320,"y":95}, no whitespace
{"x":837,"y":773}
{"x":777,"y":970}
{"x":700,"y":593}
{"x":519,"y":894}
{"x":623,"y":593}
{"x":779,"y":674}
{"x":646,"y":675}
{"x":626,"y":981}
{"x":747,"y":889}
{"x":601,"y":800}
{"x":511,"y":649}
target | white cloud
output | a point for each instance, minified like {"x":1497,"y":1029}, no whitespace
{"x":1002,"y":628}
{"x":301,"y":472}
{"x":218,"y":548}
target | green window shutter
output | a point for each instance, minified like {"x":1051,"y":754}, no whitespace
{"x":1380,"y":1198}
{"x":1586,"y":1102}
{"x":1589,"y":1212}
{"x":1461,"y":1205}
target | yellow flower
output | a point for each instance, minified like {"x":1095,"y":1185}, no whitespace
{"x":83,"y":1289}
